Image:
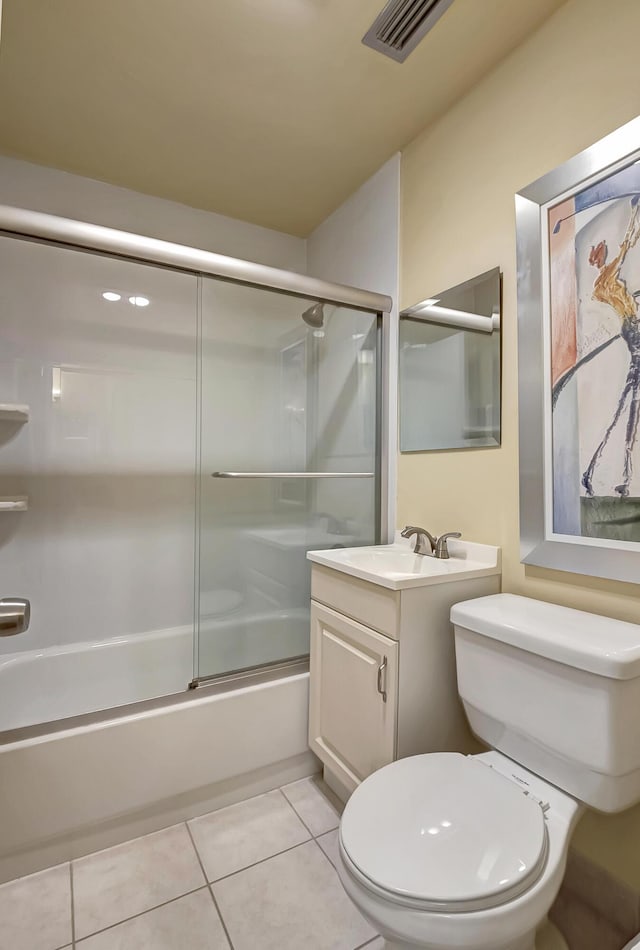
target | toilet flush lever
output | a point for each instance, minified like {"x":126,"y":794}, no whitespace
{"x":382,"y":679}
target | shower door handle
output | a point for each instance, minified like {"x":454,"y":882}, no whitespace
{"x":15,"y":614}
{"x":292,"y":474}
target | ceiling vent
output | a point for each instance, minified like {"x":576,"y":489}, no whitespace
{"x":402,"y":24}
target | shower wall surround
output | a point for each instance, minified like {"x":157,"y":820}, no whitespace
{"x":359,"y":245}
{"x":107,"y":458}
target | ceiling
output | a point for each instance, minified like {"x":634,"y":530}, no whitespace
{"x":271,"y":111}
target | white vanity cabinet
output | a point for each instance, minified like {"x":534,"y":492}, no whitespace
{"x":383,"y":679}
{"x":354,"y":690}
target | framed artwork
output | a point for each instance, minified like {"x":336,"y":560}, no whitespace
{"x":578,"y":237}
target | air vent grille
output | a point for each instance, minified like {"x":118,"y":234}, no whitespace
{"x":402,"y":24}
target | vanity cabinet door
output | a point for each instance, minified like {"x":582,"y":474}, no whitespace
{"x":354,"y":687}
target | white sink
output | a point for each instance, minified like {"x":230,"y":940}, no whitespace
{"x":396,"y":566}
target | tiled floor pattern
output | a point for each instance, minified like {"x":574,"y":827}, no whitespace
{"x":255,"y":876}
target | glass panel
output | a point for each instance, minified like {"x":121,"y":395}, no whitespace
{"x":105,"y":550}
{"x":279,"y":394}
{"x":450,"y":374}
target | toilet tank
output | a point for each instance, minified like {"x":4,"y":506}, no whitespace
{"x":555,"y":689}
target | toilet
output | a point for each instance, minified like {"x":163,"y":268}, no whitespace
{"x":448,"y":851}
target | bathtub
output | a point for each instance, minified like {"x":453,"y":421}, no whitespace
{"x":87,"y":783}
{"x":40,"y":686}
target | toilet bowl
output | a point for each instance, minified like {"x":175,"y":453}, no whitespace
{"x":445,"y":850}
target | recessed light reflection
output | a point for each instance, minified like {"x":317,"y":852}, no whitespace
{"x":435,"y":830}
{"x":139,"y":301}
{"x":111,"y":295}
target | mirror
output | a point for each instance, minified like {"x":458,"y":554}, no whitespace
{"x":450,"y":368}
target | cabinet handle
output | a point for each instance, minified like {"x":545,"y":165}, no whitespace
{"x":382,"y":679}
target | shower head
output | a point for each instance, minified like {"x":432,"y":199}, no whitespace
{"x":314,"y":316}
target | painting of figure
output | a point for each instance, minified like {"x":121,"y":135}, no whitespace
{"x":594,"y":350}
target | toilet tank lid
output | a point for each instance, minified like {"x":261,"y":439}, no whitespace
{"x":586,"y":641}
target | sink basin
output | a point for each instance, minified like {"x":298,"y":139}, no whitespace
{"x":396,"y":566}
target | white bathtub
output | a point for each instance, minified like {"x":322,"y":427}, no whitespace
{"x":78,"y":790}
{"x":90,"y":784}
{"x":39,"y":686}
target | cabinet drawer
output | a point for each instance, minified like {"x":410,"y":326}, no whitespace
{"x":354,"y":683}
{"x":374,"y":606}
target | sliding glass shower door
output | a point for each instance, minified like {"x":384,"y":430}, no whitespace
{"x":149,"y":411}
{"x":289,"y":462}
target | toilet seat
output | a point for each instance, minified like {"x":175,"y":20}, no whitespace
{"x":443,"y":832}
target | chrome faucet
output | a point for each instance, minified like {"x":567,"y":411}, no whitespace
{"x":437,"y":546}
{"x":422,"y":536}
{"x":442,"y":551}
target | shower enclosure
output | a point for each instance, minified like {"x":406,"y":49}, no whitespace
{"x":177,"y":429}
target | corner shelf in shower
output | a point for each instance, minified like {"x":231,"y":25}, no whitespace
{"x":14,"y":503}
{"x":13,"y":412}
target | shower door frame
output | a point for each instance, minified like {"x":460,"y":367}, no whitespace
{"x":22,"y":223}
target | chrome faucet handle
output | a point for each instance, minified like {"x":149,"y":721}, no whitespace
{"x":441,"y":549}
{"x":422,"y":535}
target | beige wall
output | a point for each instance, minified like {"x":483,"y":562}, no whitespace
{"x":572,"y":82}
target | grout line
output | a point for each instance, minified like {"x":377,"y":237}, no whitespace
{"x":208,"y":884}
{"x":298,"y":815}
{"x":327,"y":800}
{"x":360,"y":946}
{"x":301,"y":820}
{"x":330,"y":796}
{"x":326,"y":855}
{"x":125,"y":920}
{"x":222,"y":920}
{"x":73,"y":911}
{"x":198,"y":858}
{"x":255,"y":864}
{"x":209,"y":888}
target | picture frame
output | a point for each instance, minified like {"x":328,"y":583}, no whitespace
{"x":578,"y":274}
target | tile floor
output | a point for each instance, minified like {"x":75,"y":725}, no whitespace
{"x":255,"y":876}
